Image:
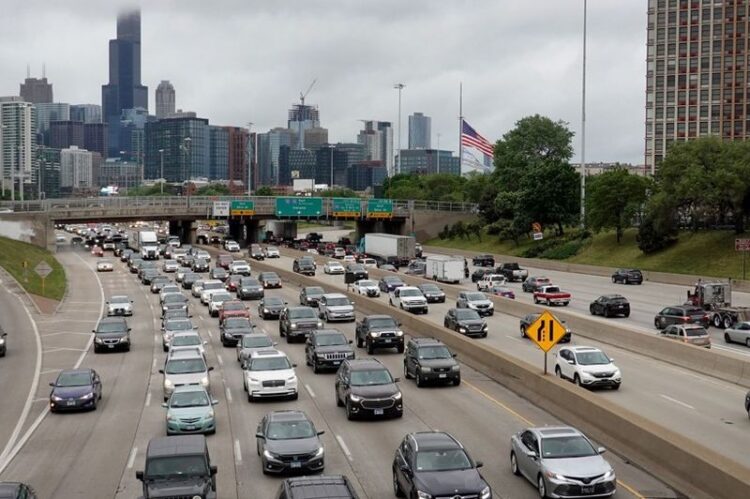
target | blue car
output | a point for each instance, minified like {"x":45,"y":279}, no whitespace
{"x":389,"y":283}
{"x":75,"y":389}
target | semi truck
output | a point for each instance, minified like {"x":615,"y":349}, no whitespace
{"x":146,"y":243}
{"x":389,"y":248}
{"x":444,"y":268}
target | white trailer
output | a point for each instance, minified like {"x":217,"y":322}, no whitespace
{"x":383,"y":246}
{"x":146,"y":243}
{"x":444,"y":268}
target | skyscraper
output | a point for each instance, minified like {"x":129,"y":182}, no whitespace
{"x":302,"y":117}
{"x":377,"y":137}
{"x":124,"y":90}
{"x":18,"y":161}
{"x":186,"y":146}
{"x":420,"y":131}
{"x":87,"y":113}
{"x":218,"y":166}
{"x":696,"y":65}
{"x":64,"y":134}
{"x":165,"y":100}
{"x":36,"y":90}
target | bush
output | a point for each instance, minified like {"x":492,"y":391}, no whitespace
{"x":565,"y":250}
{"x":650,"y":239}
{"x":445,"y":233}
{"x":559,"y":248}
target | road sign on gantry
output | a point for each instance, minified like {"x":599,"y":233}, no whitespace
{"x":242,"y":208}
{"x":546,"y":331}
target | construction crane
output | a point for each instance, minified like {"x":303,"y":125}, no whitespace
{"x":303,"y":95}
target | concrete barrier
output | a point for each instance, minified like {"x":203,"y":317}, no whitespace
{"x":694,"y":470}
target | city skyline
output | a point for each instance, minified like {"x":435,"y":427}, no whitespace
{"x":528,"y":63}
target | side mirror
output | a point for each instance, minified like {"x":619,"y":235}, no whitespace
{"x":211,"y":368}
{"x":396,"y":380}
{"x":93,"y":330}
{"x":260,"y":435}
{"x":139,"y":475}
{"x":161,"y":371}
{"x":478,"y":464}
{"x":350,"y":342}
{"x":405,"y":469}
{"x":108,"y":303}
{"x":214,"y":402}
{"x":164,"y":405}
{"x":531,"y":454}
{"x":571,"y":362}
{"x":244,"y":365}
{"x":52,"y":383}
{"x":294,"y":365}
{"x":214,"y":469}
{"x":611,"y":359}
{"x":321,"y":432}
{"x":130,"y":329}
{"x":601,"y":450}
{"x":454,"y":355}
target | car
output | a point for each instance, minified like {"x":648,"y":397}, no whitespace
{"x":224,"y":261}
{"x":75,"y":389}
{"x":197,"y":288}
{"x":388,"y":267}
{"x":304,"y":265}
{"x":551,"y":295}
{"x":271,"y":307}
{"x":256,"y":252}
{"x":158,"y":282}
{"x":249,"y":288}
{"x":178,"y":464}
{"x":527,"y":320}
{"x":333,"y":267}
{"x":189,"y":279}
{"x":475,"y":300}
{"x":409,"y":298}
{"x":200,"y":265}
{"x":174,"y":326}
{"x":190,"y":410}
{"x":466,"y":321}
{"x":272,"y":252}
{"x":174,"y":314}
{"x":269,"y":374}
{"x":692,"y":334}
{"x":389,"y":283}
{"x":233,"y":308}
{"x":483,"y":261}
{"x":296,"y":322}
{"x":219,"y":274}
{"x":119,"y":305}
{"x":288,"y":441}
{"x":335,"y":307}
{"x":148,"y":275}
{"x":111,"y":333}
{"x":125,"y":255}
{"x":379,"y":331}
{"x":233,"y":329}
{"x":435,"y":464}
{"x":309,"y":296}
{"x":561,"y":462}
{"x":588,"y":367}
{"x":480,"y":273}
{"x":189,"y":340}
{"x":313,"y":251}
{"x":3,"y":343}
{"x":369,"y":263}
{"x":314,"y":487}
{"x":681,"y":314}
{"x":185,"y":368}
{"x":210,"y":287}
{"x":269,"y":280}
{"x":76,"y":241}
{"x":534,"y":283}
{"x":610,"y":305}
{"x":252,"y":342}
{"x":739,"y":333}
{"x":432,"y":292}
{"x":503,"y":291}
{"x":490,"y":280}
{"x":366,"y":287}
{"x":355,"y":272}
{"x":202,"y":255}
{"x":104,"y":266}
{"x":339,"y":252}
{"x":233,"y":281}
{"x":231,"y":246}
{"x":327,"y":349}
{"x":18,"y":490}
{"x":97,"y":250}
{"x":429,"y":360}
{"x":627,"y":276}
{"x":174,"y":301}
{"x":512,"y":271}
{"x":365,"y":387}
{"x":170,"y":266}
{"x":168,"y":289}
{"x":239,"y":267}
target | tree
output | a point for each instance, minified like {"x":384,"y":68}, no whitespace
{"x":212,"y":190}
{"x":338,"y":192}
{"x":264,"y":190}
{"x":613,"y":198}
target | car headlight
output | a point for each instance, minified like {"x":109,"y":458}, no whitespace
{"x":55,"y":398}
{"x":423,"y":495}
{"x":355,"y":398}
{"x":99,"y":341}
{"x":456,"y":368}
{"x":125,"y":339}
{"x":609,"y":475}
{"x":555,"y":476}
{"x":462,"y":330}
{"x":484,"y":327}
{"x":253,"y":380}
{"x":204,"y":381}
{"x":471,"y":305}
{"x":265,"y":310}
{"x":374,"y":334}
{"x":397,"y":396}
{"x":486,"y":493}
{"x":320,"y":452}
{"x":210,"y":414}
{"x":292,"y":379}
{"x":617,"y":373}
{"x":294,"y":326}
{"x":2,"y":341}
{"x":320,"y":324}
{"x":399,"y":333}
{"x":426,"y":369}
{"x":168,"y":383}
{"x":269,"y":455}
{"x":171,"y":418}
{"x":492,"y":305}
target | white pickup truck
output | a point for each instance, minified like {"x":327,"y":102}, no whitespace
{"x":408,"y":298}
{"x":489,"y":280}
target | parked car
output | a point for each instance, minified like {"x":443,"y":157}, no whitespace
{"x":287,"y":441}
{"x":466,"y":321}
{"x":365,"y":387}
{"x":309,"y":296}
{"x":366,"y":287}
{"x":75,"y":389}
{"x":475,"y":300}
{"x":429,"y":360}
{"x":627,"y":276}
{"x":610,"y":305}
{"x":432,"y":292}
{"x":269,"y":373}
{"x":190,"y":409}
{"x":739,"y":333}
{"x":681,"y":314}
{"x":271,"y":307}
{"x":588,"y":367}
{"x":534,"y":283}
{"x":379,"y":331}
{"x":327,"y":348}
{"x":692,"y":334}
{"x":296,"y":322}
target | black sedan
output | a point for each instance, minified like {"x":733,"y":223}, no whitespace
{"x":233,"y":329}
{"x":610,"y":305}
{"x":271,"y":307}
{"x":269,"y":280}
{"x":75,"y":389}
{"x":389,"y":283}
{"x":432,"y":292}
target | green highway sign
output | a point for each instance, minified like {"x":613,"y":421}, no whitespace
{"x":346,"y":207}
{"x":242,"y":208}
{"x":299,"y":207}
{"x":379,"y":208}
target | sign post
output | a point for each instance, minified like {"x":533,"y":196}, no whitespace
{"x":536,"y":228}
{"x":742,"y":245}
{"x":43,"y":269}
{"x":546,"y":331}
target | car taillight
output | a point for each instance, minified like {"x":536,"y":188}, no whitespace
{"x":686,"y":319}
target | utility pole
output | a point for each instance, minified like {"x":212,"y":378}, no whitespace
{"x":583,"y":123}
{"x":161,"y":160}
{"x":438,"y":152}
{"x":399,"y":87}
{"x":251,"y":160}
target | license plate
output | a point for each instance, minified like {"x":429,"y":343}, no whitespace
{"x":386,"y":341}
{"x":190,"y":427}
{"x":587,"y":489}
{"x":70,"y":402}
{"x":296,"y":465}
{"x":110,"y":346}
{"x":442,"y":375}
{"x":378,"y":412}
{"x":336,"y":362}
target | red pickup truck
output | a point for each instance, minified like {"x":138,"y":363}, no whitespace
{"x":551,"y":295}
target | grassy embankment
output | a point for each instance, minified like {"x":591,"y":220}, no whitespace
{"x":704,"y":253}
{"x":12,"y":256}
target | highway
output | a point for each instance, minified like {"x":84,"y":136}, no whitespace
{"x":96,"y":454}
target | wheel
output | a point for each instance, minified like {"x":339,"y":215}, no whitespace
{"x":249,"y":397}
{"x":400,"y":349}
{"x":359,"y":342}
{"x":457,"y":382}
{"x":592,"y":310}
{"x":606,"y":313}
{"x":727,"y":322}
{"x":396,"y":487}
{"x":315,"y":367}
{"x":514,"y":464}
{"x":541,"y":487}
{"x":536,"y":302}
{"x":716,"y":320}
{"x":406,"y":372}
{"x":558,"y":372}
{"x":727,"y":339}
{"x":349,"y":413}
{"x":338,"y":400}
{"x":577,"y":380}
{"x":295,"y":396}
{"x":626,"y":314}
{"x":288,"y":339}
{"x":390,"y":302}
{"x":614,"y":280}
{"x":523,"y":332}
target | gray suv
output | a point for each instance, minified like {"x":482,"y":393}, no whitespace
{"x":429,"y":360}
{"x":297,"y":322}
{"x":185,"y":368}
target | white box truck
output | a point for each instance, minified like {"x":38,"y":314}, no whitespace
{"x":389,"y":248}
{"x":444,"y":268}
{"x":146,"y":243}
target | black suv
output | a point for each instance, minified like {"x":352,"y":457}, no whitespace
{"x":327,"y":348}
{"x":465,"y":321}
{"x":437,"y":465}
{"x":316,"y":487}
{"x":297,"y":322}
{"x":366,"y":387}
{"x":249,"y":288}
{"x":304,"y":265}
{"x":310,"y":296}
{"x":379,"y":331}
{"x":178,"y":466}
{"x":483,"y":261}
{"x":478,"y":274}
{"x":428,"y":359}
{"x":111,"y":333}
{"x":627,"y":276}
{"x":355,"y":272}
{"x":609,"y":305}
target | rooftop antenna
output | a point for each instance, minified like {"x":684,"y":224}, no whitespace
{"x":28,"y":70}
{"x":44,"y":70}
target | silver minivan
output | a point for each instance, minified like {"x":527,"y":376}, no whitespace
{"x":185,"y":368}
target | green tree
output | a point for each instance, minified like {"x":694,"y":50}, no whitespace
{"x":264,"y":190}
{"x":338,"y":192}
{"x":613,"y":198}
{"x":212,"y":190}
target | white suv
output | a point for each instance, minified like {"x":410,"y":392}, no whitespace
{"x":587,"y":366}
{"x":216,"y":301}
{"x":231,"y":246}
{"x":488,"y":281}
{"x":268,"y":373}
{"x":239,"y":267}
{"x":210,"y":287}
{"x":408,"y":298}
{"x":335,"y":307}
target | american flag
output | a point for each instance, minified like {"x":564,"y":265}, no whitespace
{"x":470,"y":138}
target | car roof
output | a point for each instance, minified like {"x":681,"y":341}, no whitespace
{"x":434,"y":440}
{"x":425,"y":341}
{"x":300,"y":307}
{"x":118,"y":320}
{"x":319,"y":332}
{"x":288,"y":415}
{"x":334,"y":295}
{"x":186,"y":354}
{"x":176,"y":445}
{"x":378,"y":316}
{"x":583,"y":349}
{"x":556,"y":431}
{"x":189,"y":388}
{"x":186,"y":333}
{"x":82,"y":370}
{"x":267,"y":352}
{"x":363,"y":364}
{"x":319,"y":487}
{"x":7,"y":488}
{"x":612,"y":297}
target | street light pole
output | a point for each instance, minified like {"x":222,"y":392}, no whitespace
{"x":331,"y":148}
{"x":583,"y":123}
{"x":251,"y":159}
{"x":187,"y":141}
{"x":438,"y":153}
{"x":161,"y":160}
{"x":399,"y":87}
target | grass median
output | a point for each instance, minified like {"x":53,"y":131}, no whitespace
{"x":14,"y":253}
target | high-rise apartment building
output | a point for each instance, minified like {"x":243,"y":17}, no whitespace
{"x":377,"y":137}
{"x":185,"y":143}
{"x":218,"y":168}
{"x":87,"y":113}
{"x":77,"y":169}
{"x":165,"y":100}
{"x":238,"y":156}
{"x":18,"y":156}
{"x":49,"y":172}
{"x":64,"y":134}
{"x":124,"y":90}
{"x":36,"y":90}
{"x":46,"y":112}
{"x":696,"y":81}
{"x":420,"y":131}
{"x":426,"y":161}
{"x":269,"y":146}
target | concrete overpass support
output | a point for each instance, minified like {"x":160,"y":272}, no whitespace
{"x":235,"y":231}
{"x":385,"y":226}
{"x":37,"y":229}
{"x":252,"y":232}
{"x":175,"y":228}
{"x":427,"y":224}
{"x":189,"y":232}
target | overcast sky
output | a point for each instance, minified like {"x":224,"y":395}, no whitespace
{"x":239,"y":61}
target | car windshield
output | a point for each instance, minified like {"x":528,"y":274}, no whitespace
{"x":392,"y":280}
{"x":269,"y":364}
{"x":119,"y":299}
{"x":185,"y":366}
{"x":356,"y":268}
{"x":436,"y":352}
{"x":442,"y":460}
{"x":371,"y":377}
{"x":367,"y":284}
{"x":410,"y":292}
{"x":268,"y":276}
{"x":272,"y":301}
{"x":110,"y":327}
{"x":175,"y":465}
{"x":189,"y":399}
{"x":695,"y":331}
{"x":170,"y":262}
{"x":383,"y":322}
{"x":247,"y":282}
{"x":179,"y":325}
{"x":220,"y":297}
{"x":212,"y":285}
{"x":187,"y":340}
{"x":326,"y":340}
{"x":73,"y":379}
{"x":256,"y":341}
{"x":337,"y":302}
{"x":567,"y":447}
{"x":290,"y":430}
{"x":466,"y":314}
{"x":302,"y":313}
{"x":272,"y":248}
{"x":314,"y":291}
{"x":237,"y":322}
{"x":174,"y":298}
{"x":219,"y":271}
{"x":233,"y":306}
{"x":334,"y":264}
{"x":475,"y":296}
{"x":596,"y":358}
{"x":430,"y":288}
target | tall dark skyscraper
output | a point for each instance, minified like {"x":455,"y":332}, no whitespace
{"x":124,"y":90}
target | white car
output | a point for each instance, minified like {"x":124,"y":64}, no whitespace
{"x":170,"y":266}
{"x":239,"y":267}
{"x":203,"y":255}
{"x":273,"y":366}
{"x":335,"y":307}
{"x":120,"y":305}
{"x":197,"y":288}
{"x":210,"y":287}
{"x":272,"y":252}
{"x":587,"y":366}
{"x":232,"y":246}
{"x":349,"y":259}
{"x":487,"y":282}
{"x":366,"y":287}
{"x":333,"y":267}
{"x":169,"y":288}
{"x":408,"y":298}
{"x":187,"y":341}
{"x":216,"y":301}
{"x":339,"y":252}
{"x":369,"y":263}
{"x":313,"y":251}
{"x":104,"y":266}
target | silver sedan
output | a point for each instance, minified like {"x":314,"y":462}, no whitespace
{"x":739,"y":333}
{"x":561,"y":462}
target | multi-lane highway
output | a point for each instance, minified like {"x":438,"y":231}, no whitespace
{"x":96,"y":454}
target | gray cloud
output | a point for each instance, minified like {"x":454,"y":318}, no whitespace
{"x":235,"y":61}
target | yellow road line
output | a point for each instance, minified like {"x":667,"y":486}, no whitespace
{"x":530,"y":423}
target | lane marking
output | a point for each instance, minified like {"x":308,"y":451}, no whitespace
{"x":218,"y":357}
{"x":153,"y":364}
{"x":516,"y":338}
{"x":64,"y":332}
{"x":210,"y":334}
{"x":498,"y":403}
{"x":148,"y":399}
{"x":131,"y":458}
{"x":229,"y":394}
{"x":309,"y":390}
{"x":237,"y":451}
{"x":344,"y":448}
{"x":679,"y":402}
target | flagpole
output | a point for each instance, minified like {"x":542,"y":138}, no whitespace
{"x":460,"y":127}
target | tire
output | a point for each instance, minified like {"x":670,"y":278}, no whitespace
{"x":457,"y":382}
{"x":607,"y":313}
{"x":541,"y":487}
{"x":315,"y":367}
{"x":716,"y":319}
{"x":295,"y":396}
{"x":577,"y":380}
{"x":406,"y":372}
{"x":549,"y":303}
{"x":727,"y":339}
{"x":349,"y":413}
{"x":614,"y":281}
{"x":592,"y":311}
{"x":536,"y":302}
{"x":420,"y":382}
{"x":249,"y":397}
{"x":400,"y":349}
{"x":558,"y":372}
{"x":727,"y":322}
{"x":514,"y":464}
{"x":396,"y":487}
{"x":626,"y":315}
{"x":615,"y":387}
{"x":523,"y":332}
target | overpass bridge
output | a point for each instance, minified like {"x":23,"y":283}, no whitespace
{"x":34,"y":221}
